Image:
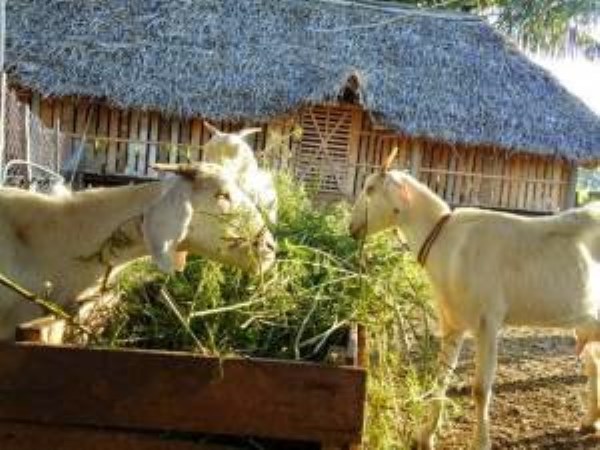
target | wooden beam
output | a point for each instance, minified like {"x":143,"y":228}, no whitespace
{"x":27,"y":436}
{"x":169,"y":391}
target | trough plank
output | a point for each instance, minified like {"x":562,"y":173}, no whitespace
{"x":25,"y":436}
{"x":181,"y":392}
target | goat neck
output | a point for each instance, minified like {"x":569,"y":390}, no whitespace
{"x":420,"y":214}
{"x":112,"y":221}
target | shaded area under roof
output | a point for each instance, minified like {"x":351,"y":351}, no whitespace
{"x":439,"y":75}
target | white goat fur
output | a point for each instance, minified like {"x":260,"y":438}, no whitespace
{"x":70,"y":240}
{"x":232,"y":152}
{"x":490,"y":269}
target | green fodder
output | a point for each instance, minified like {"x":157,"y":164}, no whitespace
{"x":322,"y":282}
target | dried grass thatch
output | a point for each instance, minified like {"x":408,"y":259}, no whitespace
{"x":440,"y":75}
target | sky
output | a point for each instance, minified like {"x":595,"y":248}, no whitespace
{"x":579,"y":75}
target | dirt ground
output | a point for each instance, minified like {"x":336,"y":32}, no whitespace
{"x":538,"y":395}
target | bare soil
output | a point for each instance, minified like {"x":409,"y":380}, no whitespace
{"x":539,"y":395}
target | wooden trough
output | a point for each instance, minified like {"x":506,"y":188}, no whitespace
{"x":71,"y":398}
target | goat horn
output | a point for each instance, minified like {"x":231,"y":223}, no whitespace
{"x":212,"y":129}
{"x":390,"y":159}
{"x":248,"y":131}
{"x":188,"y":171}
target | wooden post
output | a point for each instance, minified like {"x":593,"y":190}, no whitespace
{"x":351,"y":171}
{"x":415,"y":159}
{"x":571,"y":194}
{"x":153,"y":148}
{"x":28,"y":141}
{"x":57,"y":148}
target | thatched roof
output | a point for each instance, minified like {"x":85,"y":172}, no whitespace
{"x":440,"y":75}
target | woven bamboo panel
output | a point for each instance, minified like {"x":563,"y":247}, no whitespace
{"x":322,"y":161}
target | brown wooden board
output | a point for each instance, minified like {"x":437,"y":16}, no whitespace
{"x":170,"y":391}
{"x":27,"y":436}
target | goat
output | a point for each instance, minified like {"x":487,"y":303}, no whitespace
{"x":73,"y":241}
{"x":232,"y":152}
{"x":490,"y":269}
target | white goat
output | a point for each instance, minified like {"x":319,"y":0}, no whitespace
{"x":490,"y":269}
{"x":73,"y":241}
{"x":232,"y":152}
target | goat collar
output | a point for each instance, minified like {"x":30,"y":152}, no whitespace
{"x":430,"y":239}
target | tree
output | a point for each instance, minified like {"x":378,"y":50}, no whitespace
{"x":556,"y":26}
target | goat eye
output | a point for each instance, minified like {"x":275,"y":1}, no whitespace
{"x":370,"y":190}
{"x":396,"y":211}
{"x":223,"y":196}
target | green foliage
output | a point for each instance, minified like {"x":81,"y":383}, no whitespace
{"x":323,"y":280}
{"x":547,"y":25}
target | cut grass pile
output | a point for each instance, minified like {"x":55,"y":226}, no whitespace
{"x":323,"y":281}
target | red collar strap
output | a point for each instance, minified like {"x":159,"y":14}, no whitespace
{"x":430,"y":239}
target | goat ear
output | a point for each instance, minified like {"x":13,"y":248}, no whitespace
{"x":248,"y":131}
{"x":166,"y":223}
{"x":188,"y":171}
{"x":398,"y":190}
{"x":212,"y":129}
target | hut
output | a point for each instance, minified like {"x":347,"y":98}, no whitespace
{"x":335,"y":85}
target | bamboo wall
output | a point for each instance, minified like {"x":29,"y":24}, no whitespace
{"x":337,"y":148}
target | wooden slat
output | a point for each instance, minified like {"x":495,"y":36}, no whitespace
{"x":59,"y":142}
{"x":113,"y":132}
{"x":133,"y":148}
{"x":451,"y":178}
{"x":185,"y":140}
{"x":164,"y":136}
{"x":506,"y":184}
{"x":416,"y":159}
{"x":68,"y":125}
{"x":477,"y":170}
{"x":570,"y":171}
{"x":142,"y":163}
{"x":556,"y":171}
{"x":459,"y":181}
{"x":522,"y":175}
{"x":174,"y":140}
{"x":83,"y":125}
{"x":541,"y":192}
{"x":101,"y":145}
{"x":196,"y":136}
{"x":498,"y":168}
{"x":46,"y":112}
{"x":36,"y":101}
{"x":180,"y":392}
{"x":444,"y":161}
{"x":153,"y":148}
{"x":27,"y":436}
{"x":123,"y":147}
{"x":425,"y":175}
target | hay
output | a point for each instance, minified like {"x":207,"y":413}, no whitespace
{"x":433,"y":74}
{"x":322,"y":282}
